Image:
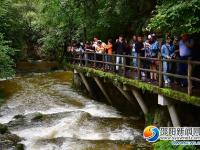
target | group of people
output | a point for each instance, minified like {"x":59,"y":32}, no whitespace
{"x":150,"y":47}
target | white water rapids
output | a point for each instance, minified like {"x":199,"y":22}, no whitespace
{"x":74,"y":122}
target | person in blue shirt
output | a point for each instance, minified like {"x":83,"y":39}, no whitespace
{"x":185,"y":50}
{"x":154,"y":49}
{"x":167,"y":52}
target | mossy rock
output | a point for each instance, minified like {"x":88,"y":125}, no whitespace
{"x":20,"y":146}
{"x":11,"y":137}
{"x":9,"y":141}
{"x":3,"y":129}
{"x":39,"y":117}
{"x":18,"y":120}
{"x":19,"y":117}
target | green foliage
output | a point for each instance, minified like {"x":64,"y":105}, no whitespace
{"x":9,"y":23}
{"x":176,"y":16}
{"x":166,"y":145}
{"x":59,"y":20}
{"x":80,"y":20}
{"x":17,"y":25}
{"x":36,"y":27}
{"x":6,"y":62}
{"x":149,"y":118}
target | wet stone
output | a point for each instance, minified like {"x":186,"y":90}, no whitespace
{"x":7,"y":139}
{"x":39,"y":117}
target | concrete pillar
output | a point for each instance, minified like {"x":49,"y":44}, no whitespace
{"x":85,"y":82}
{"x":76,"y":79}
{"x":100,"y":85}
{"x":125,"y":88}
{"x":164,"y":101}
{"x":140,"y":100}
{"x":125,"y":94}
{"x":75,"y":71}
{"x":174,"y":116}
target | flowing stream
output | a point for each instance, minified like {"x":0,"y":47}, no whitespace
{"x":48,"y":114}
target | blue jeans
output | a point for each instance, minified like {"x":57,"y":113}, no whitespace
{"x":183,"y":67}
{"x":134,"y":54}
{"x":108,"y":58}
{"x":119,"y":60}
{"x":165,"y":70}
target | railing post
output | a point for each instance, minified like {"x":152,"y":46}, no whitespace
{"x":160,"y":75}
{"x":86,"y":58}
{"x":139,"y":65}
{"x":189,"y":77}
{"x":103,"y":55}
{"x":81,"y":61}
{"x":114,"y":62}
{"x":95,"y":59}
{"x":124,"y":64}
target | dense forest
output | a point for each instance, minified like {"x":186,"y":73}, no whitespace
{"x":37,"y":28}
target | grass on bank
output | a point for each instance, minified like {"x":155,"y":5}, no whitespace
{"x":167,"y":145}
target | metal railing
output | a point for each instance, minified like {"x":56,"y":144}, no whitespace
{"x":89,"y":59}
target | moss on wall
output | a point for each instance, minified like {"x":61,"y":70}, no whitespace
{"x":116,"y":79}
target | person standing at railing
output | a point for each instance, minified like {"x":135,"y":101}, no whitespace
{"x":109,"y":50}
{"x":174,"y":68}
{"x":128,"y":52}
{"x":88,"y":48}
{"x":120,"y":50}
{"x":147,"y":62}
{"x":100,"y":49}
{"x":185,"y":50}
{"x":167,"y":52}
{"x":139,"y":50}
{"x":154,"y":49}
{"x":134,"y":54}
{"x":95,"y":43}
{"x":78,"y":51}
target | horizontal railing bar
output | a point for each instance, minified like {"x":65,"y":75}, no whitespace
{"x":195,"y":79}
{"x":143,"y":58}
{"x":82,"y":59}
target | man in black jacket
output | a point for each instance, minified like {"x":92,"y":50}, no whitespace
{"x":120,"y":48}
